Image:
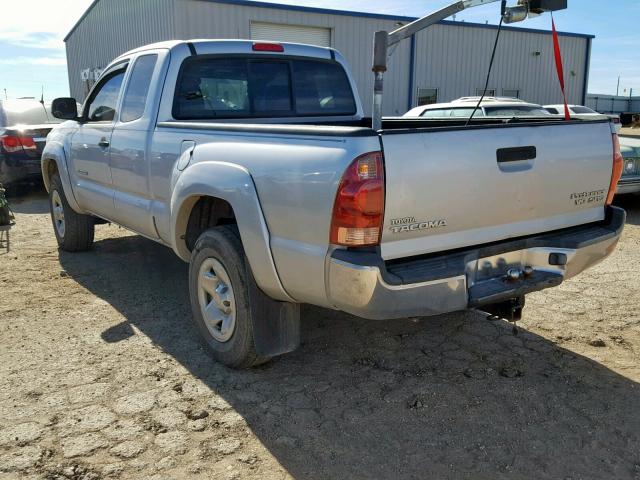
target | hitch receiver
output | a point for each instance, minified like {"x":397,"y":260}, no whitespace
{"x":510,"y":310}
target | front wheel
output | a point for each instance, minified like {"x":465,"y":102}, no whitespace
{"x":74,"y":232}
{"x":218,"y":288}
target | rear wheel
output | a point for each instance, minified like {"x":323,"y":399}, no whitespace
{"x":218,"y":287}
{"x":74,"y":232}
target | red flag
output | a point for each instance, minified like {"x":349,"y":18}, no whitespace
{"x":559,"y":69}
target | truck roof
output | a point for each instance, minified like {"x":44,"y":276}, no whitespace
{"x":213,"y":46}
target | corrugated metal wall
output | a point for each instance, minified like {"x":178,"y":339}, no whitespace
{"x":455,"y":60}
{"x":111,"y":28}
{"x":450,"y":57}
{"x":613,"y":104}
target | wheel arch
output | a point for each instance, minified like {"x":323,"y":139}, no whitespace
{"x":54,"y":160}
{"x":228,"y":188}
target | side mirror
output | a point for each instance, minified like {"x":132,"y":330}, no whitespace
{"x":65,"y":108}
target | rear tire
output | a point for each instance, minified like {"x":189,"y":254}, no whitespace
{"x":74,"y":232}
{"x":219,"y":293}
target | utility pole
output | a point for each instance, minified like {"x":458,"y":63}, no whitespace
{"x":618,"y":87}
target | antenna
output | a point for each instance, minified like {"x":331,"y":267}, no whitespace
{"x":46,"y":114}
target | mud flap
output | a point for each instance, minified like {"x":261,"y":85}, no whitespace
{"x":276,"y":325}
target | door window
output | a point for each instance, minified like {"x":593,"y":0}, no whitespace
{"x":135,"y":97}
{"x":103,"y":103}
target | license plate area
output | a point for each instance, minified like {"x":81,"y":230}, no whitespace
{"x":509,"y":275}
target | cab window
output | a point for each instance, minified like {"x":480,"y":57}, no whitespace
{"x":135,"y":97}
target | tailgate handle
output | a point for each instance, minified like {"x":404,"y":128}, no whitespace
{"x":516,"y":154}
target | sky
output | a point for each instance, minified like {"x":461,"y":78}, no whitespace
{"x":32,"y":54}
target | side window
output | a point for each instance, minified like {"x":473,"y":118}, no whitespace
{"x":102,"y":107}
{"x":135,"y":97}
{"x":465,"y":112}
{"x":436,"y":113}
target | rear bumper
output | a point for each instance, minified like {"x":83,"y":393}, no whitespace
{"x":19,"y":168}
{"x":629,"y":185}
{"x":362,"y":284}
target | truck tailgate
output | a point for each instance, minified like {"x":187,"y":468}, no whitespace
{"x":453,"y":188}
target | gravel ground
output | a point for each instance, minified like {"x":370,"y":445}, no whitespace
{"x":102,"y":376}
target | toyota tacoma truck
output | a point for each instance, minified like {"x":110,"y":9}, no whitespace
{"x":254,"y":162}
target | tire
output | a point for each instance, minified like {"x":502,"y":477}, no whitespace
{"x":74,"y":232}
{"x":223,"y":319}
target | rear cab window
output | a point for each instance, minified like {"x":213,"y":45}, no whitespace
{"x":212,"y":87}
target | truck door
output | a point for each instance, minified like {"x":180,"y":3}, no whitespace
{"x":89,"y":150}
{"x":129,"y":157}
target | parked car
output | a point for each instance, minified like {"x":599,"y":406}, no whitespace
{"x":490,"y":107}
{"x":254,"y":163}
{"x":630,"y":180}
{"x":24,"y":126}
{"x":580,"y":111}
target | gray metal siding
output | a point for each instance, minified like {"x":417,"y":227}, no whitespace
{"x":111,"y":28}
{"x":613,"y":104}
{"x":452,"y":58}
{"x":455,"y":60}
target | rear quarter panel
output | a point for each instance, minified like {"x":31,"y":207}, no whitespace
{"x":296,"y":178}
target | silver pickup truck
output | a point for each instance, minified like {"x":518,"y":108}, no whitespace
{"x":253,"y":161}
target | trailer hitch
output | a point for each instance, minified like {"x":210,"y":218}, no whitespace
{"x":509,"y":310}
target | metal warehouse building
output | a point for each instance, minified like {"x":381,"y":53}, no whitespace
{"x":447,"y":61}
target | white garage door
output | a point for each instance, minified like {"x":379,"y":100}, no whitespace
{"x":291,"y":33}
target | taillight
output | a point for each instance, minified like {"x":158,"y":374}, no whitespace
{"x":616,"y":173}
{"x":14,"y":143}
{"x":267,"y":47}
{"x":359,"y":207}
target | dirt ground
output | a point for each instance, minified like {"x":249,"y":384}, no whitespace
{"x":102,"y":376}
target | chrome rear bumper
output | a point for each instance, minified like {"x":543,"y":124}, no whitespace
{"x":629,"y":184}
{"x":362,"y":284}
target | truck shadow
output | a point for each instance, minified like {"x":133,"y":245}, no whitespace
{"x":631,"y":203}
{"x":456,"y":396}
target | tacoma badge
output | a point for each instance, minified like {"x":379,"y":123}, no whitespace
{"x":410,"y":227}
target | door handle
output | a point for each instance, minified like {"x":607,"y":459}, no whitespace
{"x":104,"y":143}
{"x":516,"y":154}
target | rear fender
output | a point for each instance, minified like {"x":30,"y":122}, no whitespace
{"x":232,"y":183}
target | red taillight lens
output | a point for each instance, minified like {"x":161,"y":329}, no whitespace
{"x":14,"y":143}
{"x":616,"y":173}
{"x":10,"y":143}
{"x":27,"y":143}
{"x":359,"y":207}
{"x":268,"y":47}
